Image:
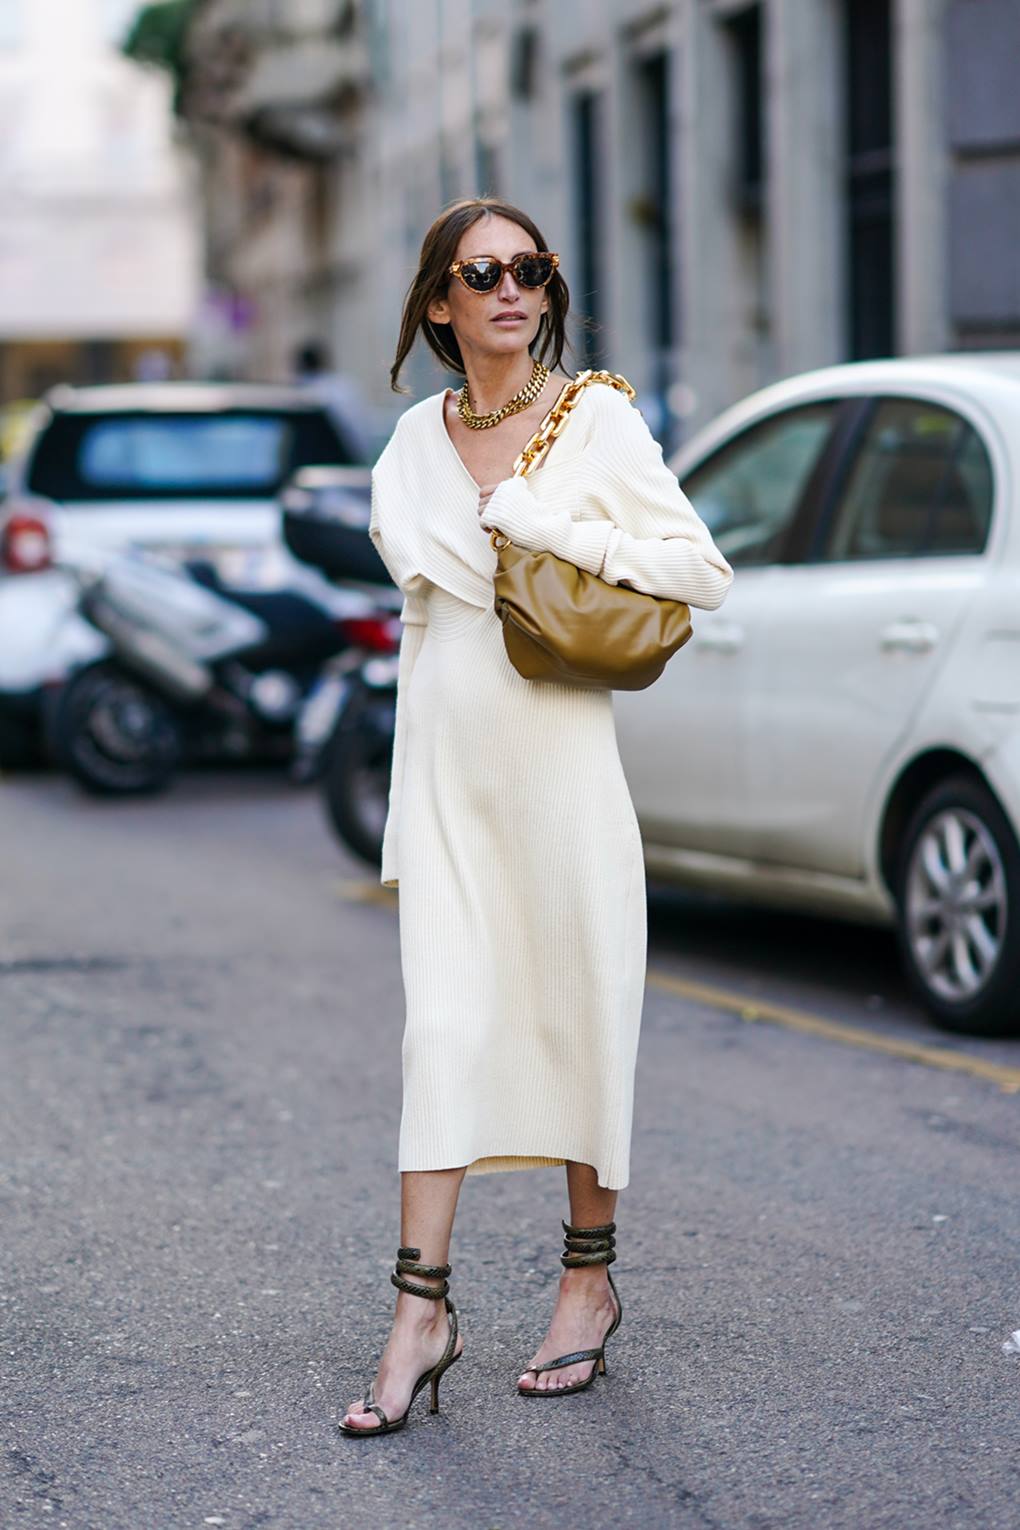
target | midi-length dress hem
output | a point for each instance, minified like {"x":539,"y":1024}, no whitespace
{"x":500,"y":1163}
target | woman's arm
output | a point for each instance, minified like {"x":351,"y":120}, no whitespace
{"x":667,"y":551}
{"x":414,"y":617}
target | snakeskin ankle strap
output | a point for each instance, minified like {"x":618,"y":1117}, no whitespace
{"x":588,"y":1245}
{"x":407,"y":1265}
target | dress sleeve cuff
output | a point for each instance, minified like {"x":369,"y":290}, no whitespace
{"x":514,"y":510}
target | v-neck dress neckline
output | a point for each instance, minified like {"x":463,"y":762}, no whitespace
{"x":452,"y":444}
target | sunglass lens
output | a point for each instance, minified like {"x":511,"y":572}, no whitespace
{"x":533,"y":270}
{"x":481,"y":275}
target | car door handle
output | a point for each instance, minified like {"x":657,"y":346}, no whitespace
{"x":909,"y":636}
{"x":721,"y":637}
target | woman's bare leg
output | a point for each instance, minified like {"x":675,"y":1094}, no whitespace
{"x":428,"y":1204}
{"x":584,"y":1303}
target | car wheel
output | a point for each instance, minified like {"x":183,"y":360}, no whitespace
{"x":113,"y":734}
{"x":958,"y":896}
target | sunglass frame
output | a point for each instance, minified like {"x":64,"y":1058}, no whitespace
{"x":457,"y":269}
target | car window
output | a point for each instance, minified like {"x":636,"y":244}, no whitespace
{"x":920,"y":486}
{"x":748,"y":492}
{"x":234,"y":454}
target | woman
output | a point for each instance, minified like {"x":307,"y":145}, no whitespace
{"x":511,"y":832}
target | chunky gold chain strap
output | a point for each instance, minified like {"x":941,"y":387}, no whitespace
{"x":537,"y":448}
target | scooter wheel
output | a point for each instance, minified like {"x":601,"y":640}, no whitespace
{"x":356,"y":774}
{"x":113,"y":734}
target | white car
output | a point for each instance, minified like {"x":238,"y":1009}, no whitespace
{"x":843,"y":734}
{"x":187,"y":471}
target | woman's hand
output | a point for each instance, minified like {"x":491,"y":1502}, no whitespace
{"x":511,"y":508}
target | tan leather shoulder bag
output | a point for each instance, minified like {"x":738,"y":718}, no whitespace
{"x":562,"y":623}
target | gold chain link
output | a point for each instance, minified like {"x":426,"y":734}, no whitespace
{"x":536,"y":449}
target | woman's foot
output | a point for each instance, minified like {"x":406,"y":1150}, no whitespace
{"x":420,"y":1333}
{"x":585,"y":1309}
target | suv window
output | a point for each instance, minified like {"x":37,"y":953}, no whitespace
{"x":748,"y":492}
{"x":920,"y":486}
{"x":236,"y":454}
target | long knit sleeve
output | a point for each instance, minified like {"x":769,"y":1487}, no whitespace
{"x":414,"y":617}
{"x":636,"y":526}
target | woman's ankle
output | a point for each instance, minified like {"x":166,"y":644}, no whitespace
{"x":585,"y":1280}
{"x":419,"y":1311}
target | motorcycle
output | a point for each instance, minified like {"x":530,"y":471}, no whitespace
{"x":187,"y":669}
{"x":345,"y":733}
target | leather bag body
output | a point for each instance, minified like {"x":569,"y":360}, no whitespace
{"x":563,"y":624}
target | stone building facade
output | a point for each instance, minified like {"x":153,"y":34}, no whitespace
{"x":100,"y":262}
{"x":738,"y":190}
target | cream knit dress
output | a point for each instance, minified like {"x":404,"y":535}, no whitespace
{"x":511,"y":830}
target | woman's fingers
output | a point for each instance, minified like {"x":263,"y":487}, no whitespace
{"x":485,"y":493}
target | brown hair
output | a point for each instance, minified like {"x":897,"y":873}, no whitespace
{"x":438,"y":251}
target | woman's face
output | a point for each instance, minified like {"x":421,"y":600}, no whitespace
{"x":505,"y":320}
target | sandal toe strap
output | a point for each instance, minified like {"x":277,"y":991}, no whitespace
{"x":371,"y":1406}
{"x":572,"y":1359}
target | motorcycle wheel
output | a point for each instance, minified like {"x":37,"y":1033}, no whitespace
{"x":356,"y":775}
{"x":20,"y":746}
{"x":113,"y":734}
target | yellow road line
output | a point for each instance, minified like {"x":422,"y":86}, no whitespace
{"x":751,"y":1009}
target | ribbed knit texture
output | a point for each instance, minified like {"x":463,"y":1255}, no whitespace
{"x":511,"y":828}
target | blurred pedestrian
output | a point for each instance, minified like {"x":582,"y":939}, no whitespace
{"x":339,"y":393}
{"x":511,"y":831}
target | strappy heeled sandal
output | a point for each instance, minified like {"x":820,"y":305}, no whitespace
{"x":582,"y":1245}
{"x":407,"y":1265}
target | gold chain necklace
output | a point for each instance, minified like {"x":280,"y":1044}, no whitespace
{"x":527,"y":395}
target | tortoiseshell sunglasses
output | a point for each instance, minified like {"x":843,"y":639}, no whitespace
{"x":484,"y":273}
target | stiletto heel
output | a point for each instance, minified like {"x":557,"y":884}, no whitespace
{"x":582,"y":1246}
{"x":407,"y":1265}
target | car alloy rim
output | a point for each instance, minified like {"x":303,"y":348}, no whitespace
{"x":956,"y":905}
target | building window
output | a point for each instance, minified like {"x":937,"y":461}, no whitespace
{"x":651,"y":214}
{"x":745,"y":35}
{"x":586,"y":115}
{"x":524,"y":64}
{"x":11,"y":23}
{"x":870,"y":191}
{"x":653,"y":84}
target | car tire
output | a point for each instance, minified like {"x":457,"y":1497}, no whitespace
{"x":356,"y":773}
{"x":113,"y":734}
{"x":958,"y":901}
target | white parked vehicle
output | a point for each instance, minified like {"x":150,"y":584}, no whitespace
{"x":843,"y":734}
{"x":190,"y":472}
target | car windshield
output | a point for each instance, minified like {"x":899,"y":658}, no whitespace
{"x":240,"y":454}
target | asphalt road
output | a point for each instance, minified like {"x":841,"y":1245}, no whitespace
{"x":200,"y":1011}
